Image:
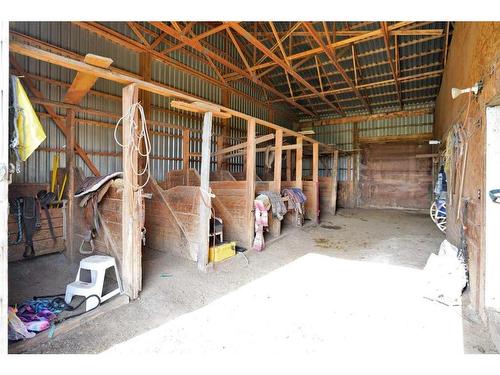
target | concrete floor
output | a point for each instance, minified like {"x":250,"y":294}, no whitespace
{"x":351,"y":284}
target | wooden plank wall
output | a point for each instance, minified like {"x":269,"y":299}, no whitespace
{"x":392,"y":177}
{"x":42,"y":239}
{"x":310,"y":190}
{"x":231,"y":195}
{"x":325,"y":194}
{"x":344,"y":194}
{"x":170,"y":219}
{"x":473,"y":56}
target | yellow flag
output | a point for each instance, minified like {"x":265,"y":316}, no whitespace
{"x":30,"y":130}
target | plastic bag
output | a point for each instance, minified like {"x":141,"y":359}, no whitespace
{"x":17,"y":329}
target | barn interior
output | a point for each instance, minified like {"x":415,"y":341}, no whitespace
{"x":321,"y":172}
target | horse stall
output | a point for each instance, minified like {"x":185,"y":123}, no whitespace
{"x":178,"y":213}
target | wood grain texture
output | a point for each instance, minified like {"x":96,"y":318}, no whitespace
{"x":392,"y":177}
{"x":472,"y":55}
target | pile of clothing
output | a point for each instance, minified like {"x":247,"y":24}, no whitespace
{"x":277,"y":205}
{"x":32,"y":316}
{"x":296,"y":199}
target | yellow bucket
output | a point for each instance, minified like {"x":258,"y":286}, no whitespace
{"x":220,"y":252}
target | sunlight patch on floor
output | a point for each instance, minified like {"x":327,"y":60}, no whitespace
{"x":318,"y":305}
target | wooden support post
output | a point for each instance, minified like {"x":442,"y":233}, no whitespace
{"x":275,"y":224}
{"x":70,"y":172}
{"x":131,"y":207}
{"x":298,"y":164}
{"x":335,"y":168}
{"x":355,"y":164}
{"x":220,"y":158}
{"x":4,"y":180}
{"x":315,"y":178}
{"x":185,"y":155}
{"x":250,"y":180}
{"x":289,"y":165}
{"x":349,"y":173}
{"x":225,"y":133}
{"x":145,"y":99}
{"x":204,"y":214}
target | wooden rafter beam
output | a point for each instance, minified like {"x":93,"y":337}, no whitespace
{"x":244,"y":33}
{"x":415,"y":77}
{"x":197,"y":46}
{"x":387,"y":42}
{"x":388,"y":93}
{"x":320,"y":79}
{"x":153,"y":87}
{"x":375,"y":52}
{"x":186,"y":31}
{"x":351,"y":33}
{"x":278,"y":41}
{"x":126,"y":42}
{"x":240,"y":52}
{"x":285,"y":36}
{"x":340,"y":43}
{"x":135,"y":29}
{"x":53,"y":115}
{"x":199,"y":37}
{"x":334,"y":61}
{"x":377,"y":77}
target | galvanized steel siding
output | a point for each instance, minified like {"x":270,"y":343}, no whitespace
{"x":99,"y":139}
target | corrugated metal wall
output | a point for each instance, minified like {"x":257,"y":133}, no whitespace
{"x":341,"y":135}
{"x":95,"y":133}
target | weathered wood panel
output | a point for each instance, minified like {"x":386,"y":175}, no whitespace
{"x":473,"y":55}
{"x":229,"y":204}
{"x":167,"y":229}
{"x":310,"y":190}
{"x":344,"y":199}
{"x":325,"y":195}
{"x":42,"y":240}
{"x":392,"y":177}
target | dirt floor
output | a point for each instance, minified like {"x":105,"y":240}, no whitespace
{"x":350,"y":284}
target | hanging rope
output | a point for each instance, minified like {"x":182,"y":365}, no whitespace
{"x":138,"y":135}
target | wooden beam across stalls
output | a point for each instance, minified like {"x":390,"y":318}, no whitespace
{"x":154,"y":87}
{"x":131,"y":209}
{"x":262,"y":139}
